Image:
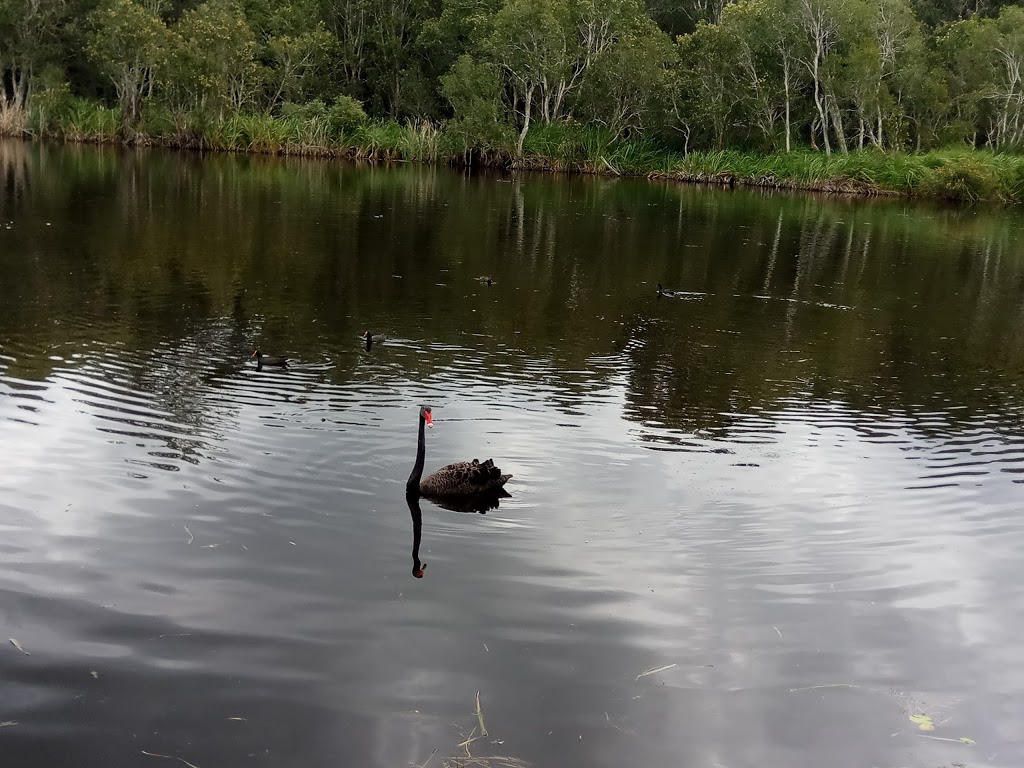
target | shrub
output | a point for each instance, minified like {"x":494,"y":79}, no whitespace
{"x":962,"y":179}
{"x":345,"y":116}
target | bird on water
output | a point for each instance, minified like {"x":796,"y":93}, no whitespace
{"x":261,"y":360}
{"x":459,"y":479}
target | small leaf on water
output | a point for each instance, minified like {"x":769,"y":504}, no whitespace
{"x":17,"y":645}
{"x":95,"y":674}
{"x":242,"y":719}
{"x":8,"y":723}
{"x":923,"y":722}
{"x":966,"y":740}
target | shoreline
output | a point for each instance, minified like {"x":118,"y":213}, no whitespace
{"x":959,"y":175}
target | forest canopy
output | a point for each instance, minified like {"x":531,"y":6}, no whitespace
{"x":757,"y":75}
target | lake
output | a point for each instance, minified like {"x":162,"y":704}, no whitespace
{"x":772,"y":520}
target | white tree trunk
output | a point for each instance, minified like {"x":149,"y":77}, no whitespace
{"x":528,"y":102}
{"x":785,"y":85}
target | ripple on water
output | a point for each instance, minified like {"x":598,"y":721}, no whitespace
{"x":708,"y":488}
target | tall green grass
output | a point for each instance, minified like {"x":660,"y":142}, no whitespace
{"x":955,"y":174}
{"x":959,"y":174}
{"x":81,"y":120}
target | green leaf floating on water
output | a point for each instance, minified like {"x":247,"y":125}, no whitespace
{"x":923,"y":722}
{"x":966,"y":740}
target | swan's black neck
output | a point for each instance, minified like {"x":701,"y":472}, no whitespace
{"x":412,"y":487}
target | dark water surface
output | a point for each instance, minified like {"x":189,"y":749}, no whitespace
{"x":800,"y":484}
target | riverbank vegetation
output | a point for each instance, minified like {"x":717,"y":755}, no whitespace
{"x":876,"y":96}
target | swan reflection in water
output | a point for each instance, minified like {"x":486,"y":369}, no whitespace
{"x":481,"y":502}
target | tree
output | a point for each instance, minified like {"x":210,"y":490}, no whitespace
{"x":27,"y":42}
{"x":128,"y":43}
{"x":347,"y":20}
{"x":294,"y":47}
{"x":768,"y":46}
{"x":295,"y":63}
{"x":1008,"y":125}
{"x":704,"y":90}
{"x":821,"y":25}
{"x":622,"y":85}
{"x":528,"y":42}
{"x":212,"y":62}
{"x":474,"y":89}
{"x":968,"y":51}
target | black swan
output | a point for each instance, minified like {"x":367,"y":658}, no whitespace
{"x":463,"y":478}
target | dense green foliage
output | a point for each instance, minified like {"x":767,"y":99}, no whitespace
{"x":500,"y":79}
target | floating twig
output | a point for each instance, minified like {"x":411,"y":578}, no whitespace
{"x":17,"y":645}
{"x":464,"y":758}
{"x":469,"y":739}
{"x":191,"y":538}
{"x":480,"y":715}
{"x":961,"y":740}
{"x":170,"y":757}
{"x":654,"y":671}
{"x":818,"y":687}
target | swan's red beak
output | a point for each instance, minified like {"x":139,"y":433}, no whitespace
{"x":429,"y":418}
{"x":419,"y":572}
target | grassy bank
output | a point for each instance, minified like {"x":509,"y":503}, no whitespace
{"x":960,"y":174}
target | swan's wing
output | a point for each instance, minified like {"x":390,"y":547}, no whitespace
{"x":463,"y":477}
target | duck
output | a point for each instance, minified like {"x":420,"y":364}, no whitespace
{"x":261,"y":360}
{"x":460,"y":479}
{"x":665,"y":292}
{"x":371,"y":338}
{"x":486,"y":280}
